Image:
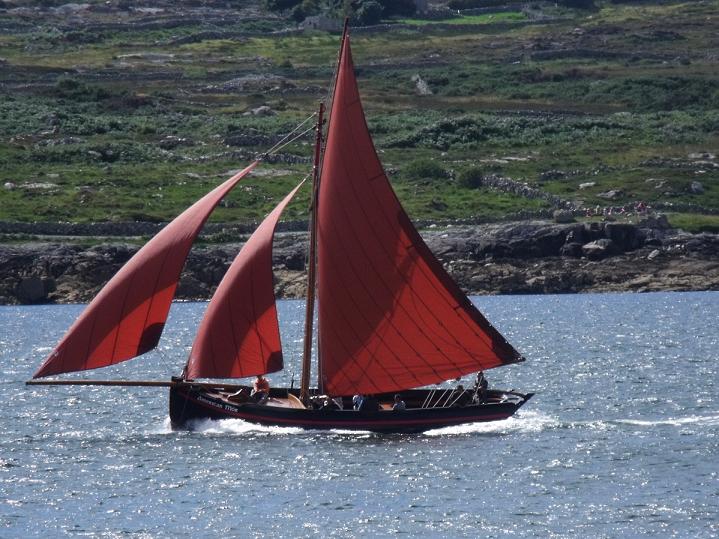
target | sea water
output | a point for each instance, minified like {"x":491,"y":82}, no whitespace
{"x":621,"y":439}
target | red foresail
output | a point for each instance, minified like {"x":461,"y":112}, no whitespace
{"x":239,"y":335}
{"x":390,"y":317}
{"x":127,"y":317}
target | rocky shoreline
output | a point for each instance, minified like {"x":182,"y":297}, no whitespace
{"x":510,"y":258}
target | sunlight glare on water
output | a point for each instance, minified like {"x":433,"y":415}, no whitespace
{"x":620,"y":440}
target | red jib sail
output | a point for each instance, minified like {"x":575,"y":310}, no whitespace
{"x":239,"y":335}
{"x":390,"y":317}
{"x":127,"y":317}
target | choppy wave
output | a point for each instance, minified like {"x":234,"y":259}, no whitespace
{"x":609,"y":451}
{"x":708,"y":420}
{"x":612,"y":424}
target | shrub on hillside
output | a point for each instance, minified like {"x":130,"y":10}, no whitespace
{"x":471,"y":178}
{"x":398,"y":7}
{"x":426,"y":169}
{"x":69,"y":88}
{"x":446,"y":133}
{"x":368,"y":13}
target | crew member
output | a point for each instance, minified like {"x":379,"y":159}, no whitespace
{"x":260,"y":389}
{"x":460,"y":397}
{"x":480,"y":388}
{"x":369,"y":404}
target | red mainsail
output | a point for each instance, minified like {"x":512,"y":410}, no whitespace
{"x":390,"y":317}
{"x":127,"y":317}
{"x":239,"y":335}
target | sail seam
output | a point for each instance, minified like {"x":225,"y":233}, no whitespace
{"x":244,"y":305}
{"x":359,"y":279}
{"x":361,"y":343}
{"x":421,"y":249}
{"x":401,"y":275}
{"x":489,"y":340}
{"x":354,"y":361}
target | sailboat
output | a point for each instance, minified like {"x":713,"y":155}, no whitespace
{"x":391,"y":322}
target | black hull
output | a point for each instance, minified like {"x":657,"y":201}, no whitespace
{"x":188,"y":404}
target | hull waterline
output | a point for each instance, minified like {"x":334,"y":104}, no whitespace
{"x":188,"y":405}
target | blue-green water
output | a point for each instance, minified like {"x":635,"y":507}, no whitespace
{"x":622,"y":440}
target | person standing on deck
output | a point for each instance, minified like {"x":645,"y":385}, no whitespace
{"x":480,"y":388}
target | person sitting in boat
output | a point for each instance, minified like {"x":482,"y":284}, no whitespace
{"x":460,"y":397}
{"x":240,"y":396}
{"x":317,"y":401}
{"x":260,"y":389}
{"x":357,"y":401}
{"x":329,"y":404}
{"x":369,"y":404}
{"x":399,"y":404}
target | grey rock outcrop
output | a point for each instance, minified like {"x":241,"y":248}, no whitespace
{"x":522,"y":257}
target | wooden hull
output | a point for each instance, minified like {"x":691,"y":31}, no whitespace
{"x":188,"y":404}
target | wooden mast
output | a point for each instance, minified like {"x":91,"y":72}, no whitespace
{"x":311,"y":267}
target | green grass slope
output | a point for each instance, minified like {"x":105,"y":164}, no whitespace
{"x":109,"y":113}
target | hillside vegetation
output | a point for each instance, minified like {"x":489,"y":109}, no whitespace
{"x":126,"y":111}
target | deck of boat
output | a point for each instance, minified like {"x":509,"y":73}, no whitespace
{"x":280,"y":402}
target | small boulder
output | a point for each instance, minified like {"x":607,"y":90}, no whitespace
{"x":263,"y":110}
{"x":31,"y":290}
{"x":295,"y":261}
{"x":573,"y":250}
{"x":599,"y":249}
{"x":170,"y":142}
{"x":190,"y":287}
{"x":563,"y":216}
{"x":549,"y":175}
{"x":696,"y":188}
{"x":658,"y":222}
{"x":626,"y":237}
{"x":421,"y":85}
{"x":611,"y":194}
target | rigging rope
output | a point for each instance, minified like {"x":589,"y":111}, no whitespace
{"x":284,"y":142}
{"x":428,"y":399}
